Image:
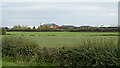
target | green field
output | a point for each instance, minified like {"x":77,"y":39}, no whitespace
{"x":60,"y":39}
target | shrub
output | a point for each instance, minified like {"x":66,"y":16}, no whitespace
{"x":8,"y":34}
{"x":18,"y":48}
{"x":3,"y":31}
{"x":91,"y":54}
{"x":84,"y":57}
{"x":31,"y":35}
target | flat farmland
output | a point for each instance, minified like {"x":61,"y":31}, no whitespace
{"x":67,"y":39}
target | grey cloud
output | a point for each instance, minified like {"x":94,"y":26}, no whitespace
{"x":60,"y":13}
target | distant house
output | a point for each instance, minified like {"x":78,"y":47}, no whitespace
{"x":51,"y":25}
{"x":55,"y":26}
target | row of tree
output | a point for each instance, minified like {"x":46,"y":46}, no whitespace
{"x":43,"y":27}
{"x":20,"y":27}
{"x":68,"y":29}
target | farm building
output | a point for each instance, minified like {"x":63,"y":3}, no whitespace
{"x":51,"y":25}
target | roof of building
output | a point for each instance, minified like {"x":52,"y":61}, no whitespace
{"x":50,"y":24}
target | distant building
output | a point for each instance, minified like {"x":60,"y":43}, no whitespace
{"x":51,"y":25}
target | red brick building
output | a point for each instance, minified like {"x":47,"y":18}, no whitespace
{"x":55,"y":26}
{"x":51,"y":25}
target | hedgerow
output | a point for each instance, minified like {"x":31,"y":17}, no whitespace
{"x":20,"y":49}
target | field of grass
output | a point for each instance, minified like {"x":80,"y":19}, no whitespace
{"x":60,"y":39}
{"x":61,"y":48}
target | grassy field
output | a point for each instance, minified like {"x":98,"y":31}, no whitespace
{"x":94,"y":46}
{"x":60,"y":39}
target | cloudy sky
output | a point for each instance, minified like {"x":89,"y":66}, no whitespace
{"x":76,"y":13}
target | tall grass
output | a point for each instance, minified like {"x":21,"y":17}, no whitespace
{"x":89,"y":52}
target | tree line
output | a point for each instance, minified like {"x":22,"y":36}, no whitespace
{"x":42,"y":27}
{"x":45,"y":28}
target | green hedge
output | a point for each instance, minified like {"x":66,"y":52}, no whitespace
{"x":20,"y":49}
{"x":3,"y":31}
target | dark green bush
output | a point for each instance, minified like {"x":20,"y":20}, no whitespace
{"x":20,"y":49}
{"x":91,"y":54}
{"x":84,"y":57}
{"x":2,"y":31}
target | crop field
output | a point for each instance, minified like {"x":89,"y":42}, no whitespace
{"x":60,"y":48}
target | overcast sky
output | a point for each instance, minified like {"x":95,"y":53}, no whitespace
{"x":76,"y":13}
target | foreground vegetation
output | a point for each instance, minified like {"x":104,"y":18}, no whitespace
{"x":76,"y":49}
